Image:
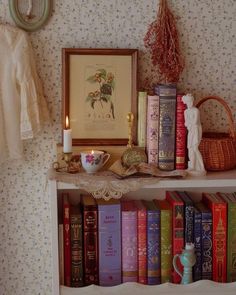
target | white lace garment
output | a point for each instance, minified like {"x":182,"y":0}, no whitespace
{"x":22,"y":104}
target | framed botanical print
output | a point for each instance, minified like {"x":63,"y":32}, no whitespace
{"x":99,"y":89}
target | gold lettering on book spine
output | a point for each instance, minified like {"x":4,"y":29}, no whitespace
{"x":219,"y":240}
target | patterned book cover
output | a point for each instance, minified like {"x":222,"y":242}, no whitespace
{"x":197,"y":237}
{"x":76,"y":246}
{"x":142,"y":241}
{"x":219,"y":235}
{"x":153,"y":244}
{"x":181,"y":135}
{"x":166,"y":150}
{"x":230,"y":200}
{"x":206,"y":241}
{"x":177,"y":229}
{"x":67,"y":243}
{"x":152,"y":128}
{"x":90,"y":233}
{"x":166,"y":239}
{"x":142,"y":118}
{"x":129,"y":241}
{"x":188,"y":216}
{"x":109,"y":242}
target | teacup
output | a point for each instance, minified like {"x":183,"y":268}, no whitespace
{"x":92,"y":161}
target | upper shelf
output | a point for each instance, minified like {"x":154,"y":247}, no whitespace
{"x":105,"y":185}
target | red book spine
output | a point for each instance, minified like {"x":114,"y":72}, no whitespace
{"x":177,"y":230}
{"x":219,"y":236}
{"x":142,"y":243}
{"x":181,"y":135}
{"x":67,"y":242}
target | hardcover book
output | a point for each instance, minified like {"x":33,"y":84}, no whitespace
{"x":177,"y":229}
{"x":67,"y":241}
{"x":109,"y":242}
{"x":230,"y":200}
{"x":166,"y":239}
{"x":197,"y":238}
{"x":204,"y":236}
{"x":142,"y":241}
{"x":142,"y":118}
{"x":166,"y":149}
{"x":152,"y":128}
{"x":188,"y":216}
{"x":219,"y":234}
{"x":76,"y":246}
{"x":90,"y":233}
{"x":181,"y":135}
{"x":129,"y":241}
{"x":153,"y":244}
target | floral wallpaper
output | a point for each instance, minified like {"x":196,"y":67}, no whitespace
{"x":207,"y":31}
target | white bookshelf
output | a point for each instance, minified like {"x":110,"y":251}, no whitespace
{"x":212,"y":182}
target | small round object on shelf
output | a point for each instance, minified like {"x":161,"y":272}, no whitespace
{"x":133,"y":156}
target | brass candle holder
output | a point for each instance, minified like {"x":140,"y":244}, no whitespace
{"x":132,"y":155}
{"x":73,"y":163}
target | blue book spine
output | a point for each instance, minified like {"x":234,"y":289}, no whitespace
{"x":197,"y":230}
{"x":207,"y":246}
{"x":188,"y":217}
{"x":153,"y":248}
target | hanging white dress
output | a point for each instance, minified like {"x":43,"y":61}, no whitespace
{"x":23,"y":107}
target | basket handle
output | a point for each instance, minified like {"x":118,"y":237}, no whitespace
{"x":226,"y":107}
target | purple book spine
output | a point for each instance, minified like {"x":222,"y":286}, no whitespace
{"x":129,"y":246}
{"x":152,"y":128}
{"x":109,"y":225}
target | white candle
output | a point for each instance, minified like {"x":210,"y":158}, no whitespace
{"x":67,"y":138}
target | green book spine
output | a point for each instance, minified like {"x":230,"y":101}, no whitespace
{"x":231,"y":257}
{"x":166,"y":246}
{"x":166,"y":239}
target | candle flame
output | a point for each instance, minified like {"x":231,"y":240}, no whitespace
{"x":92,"y":152}
{"x":67,"y":122}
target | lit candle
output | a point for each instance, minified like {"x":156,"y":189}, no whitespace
{"x":67,"y":138}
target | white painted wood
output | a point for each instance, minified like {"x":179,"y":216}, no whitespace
{"x":203,"y":287}
{"x":54,"y":222}
{"x":217,"y":181}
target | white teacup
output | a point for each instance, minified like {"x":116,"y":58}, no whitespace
{"x":92,"y":161}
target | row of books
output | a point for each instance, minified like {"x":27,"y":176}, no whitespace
{"x":111,"y":242}
{"x":161,"y":128}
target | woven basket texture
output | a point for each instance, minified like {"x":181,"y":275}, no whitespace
{"x":219,"y":149}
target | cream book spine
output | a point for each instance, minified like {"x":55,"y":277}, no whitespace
{"x":142,"y":118}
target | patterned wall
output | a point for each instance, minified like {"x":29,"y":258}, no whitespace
{"x":207,"y":33}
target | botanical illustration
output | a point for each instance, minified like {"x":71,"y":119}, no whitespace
{"x":103,"y":94}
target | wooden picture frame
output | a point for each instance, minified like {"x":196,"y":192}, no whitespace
{"x":99,"y":89}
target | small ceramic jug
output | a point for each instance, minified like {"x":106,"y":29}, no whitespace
{"x":187,"y":259}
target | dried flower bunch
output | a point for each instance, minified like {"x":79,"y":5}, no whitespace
{"x":163,"y":42}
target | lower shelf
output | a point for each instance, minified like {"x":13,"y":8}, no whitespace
{"x":203,"y":287}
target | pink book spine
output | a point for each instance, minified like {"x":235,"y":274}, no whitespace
{"x":152,"y":128}
{"x":142,"y":245}
{"x":129,"y":245}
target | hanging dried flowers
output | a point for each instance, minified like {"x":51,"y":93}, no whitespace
{"x":163,"y":42}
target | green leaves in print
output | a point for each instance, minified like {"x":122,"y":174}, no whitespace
{"x":106,"y":86}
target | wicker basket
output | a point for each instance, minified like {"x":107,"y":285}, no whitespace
{"x":219,"y":149}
